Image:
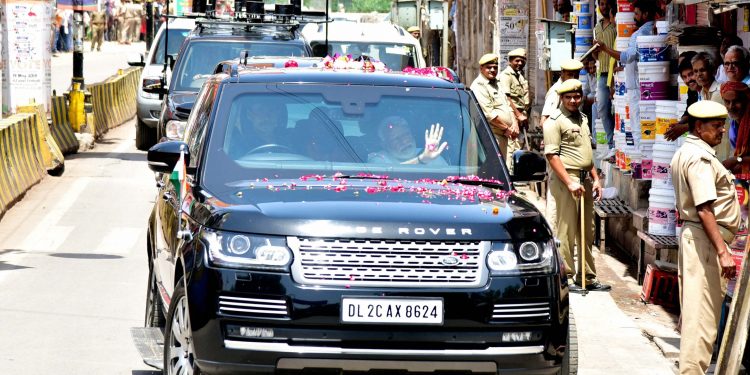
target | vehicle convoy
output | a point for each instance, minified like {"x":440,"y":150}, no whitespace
{"x":148,"y":104}
{"x":211,"y":42}
{"x":351,"y":220}
{"x":383,"y":41}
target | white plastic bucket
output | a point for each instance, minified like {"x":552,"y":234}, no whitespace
{"x":620,"y":87}
{"x":583,"y":21}
{"x":653,"y":78}
{"x":601,"y":135}
{"x":584,"y":38}
{"x":581,"y":7}
{"x":661,"y":174}
{"x":625,"y":24}
{"x":665,"y":116}
{"x":652,"y":48}
{"x":662,"y":215}
{"x":635,"y":164}
{"x":662,"y":27}
{"x":621,"y":44}
{"x":647,"y":114}
{"x":647,"y":159}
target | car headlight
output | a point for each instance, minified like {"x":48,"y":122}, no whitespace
{"x":528,"y":257}
{"x":238,"y":250}
{"x":175,"y":129}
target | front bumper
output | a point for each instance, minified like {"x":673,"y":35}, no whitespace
{"x":310,"y":334}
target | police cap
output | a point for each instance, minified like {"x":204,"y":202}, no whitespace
{"x":570,"y":85}
{"x":571,"y":64}
{"x":707,"y":109}
{"x":518,"y":52}
{"x":488,"y":58}
{"x":413,"y":29}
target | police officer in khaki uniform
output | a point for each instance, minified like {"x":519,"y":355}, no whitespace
{"x":98,"y":24}
{"x":121,"y":27}
{"x":496,"y":106}
{"x":570,"y":69}
{"x":515,"y":85}
{"x":707,"y":204}
{"x":567,"y":146}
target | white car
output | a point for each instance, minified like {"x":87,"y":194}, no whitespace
{"x":149,"y":105}
{"x":386,"y":42}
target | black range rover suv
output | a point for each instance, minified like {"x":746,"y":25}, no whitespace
{"x":318,"y":232}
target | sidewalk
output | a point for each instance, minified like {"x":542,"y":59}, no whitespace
{"x":97,"y":65}
{"x":617,"y":333}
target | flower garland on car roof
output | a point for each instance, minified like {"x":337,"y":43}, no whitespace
{"x":365,"y":63}
{"x":432,"y":71}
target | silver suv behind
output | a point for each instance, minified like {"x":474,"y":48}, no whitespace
{"x":149,"y":105}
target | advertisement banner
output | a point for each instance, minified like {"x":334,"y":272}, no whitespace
{"x":27,"y":32}
{"x":83,"y":5}
{"x":513,"y":27}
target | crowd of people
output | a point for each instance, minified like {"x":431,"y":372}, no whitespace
{"x":121,"y":21}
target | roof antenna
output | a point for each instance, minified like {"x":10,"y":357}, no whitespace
{"x":327,"y":50}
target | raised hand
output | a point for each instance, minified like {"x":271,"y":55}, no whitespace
{"x":432,"y":146}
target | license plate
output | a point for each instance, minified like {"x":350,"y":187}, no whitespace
{"x":392,"y":310}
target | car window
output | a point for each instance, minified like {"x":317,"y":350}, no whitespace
{"x":198,"y":121}
{"x":395,"y":56}
{"x":201,"y":57}
{"x":176,"y":37}
{"x":295,"y":130}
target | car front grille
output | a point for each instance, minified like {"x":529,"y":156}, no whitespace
{"x":521,"y":311}
{"x":395,"y":263}
{"x":253,"y":307}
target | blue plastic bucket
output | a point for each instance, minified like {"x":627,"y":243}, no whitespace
{"x":653,"y":48}
{"x":583,"y":21}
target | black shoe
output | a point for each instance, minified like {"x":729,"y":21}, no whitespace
{"x":575,"y":288}
{"x":598,"y":287}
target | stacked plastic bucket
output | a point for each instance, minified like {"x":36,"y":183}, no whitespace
{"x":584,"y":28}
{"x":624,"y":143}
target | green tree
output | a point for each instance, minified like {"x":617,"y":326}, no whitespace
{"x":364,"y":6}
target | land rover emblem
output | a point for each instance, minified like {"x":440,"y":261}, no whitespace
{"x":450,"y":261}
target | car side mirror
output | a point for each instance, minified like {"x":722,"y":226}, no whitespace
{"x":528,"y":166}
{"x":155,"y":87}
{"x":162,"y":157}
{"x":136,"y":59}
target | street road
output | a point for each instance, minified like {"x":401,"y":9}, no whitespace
{"x":73,"y":265}
{"x":97,"y":65}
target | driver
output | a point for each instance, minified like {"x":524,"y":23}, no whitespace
{"x":399,"y":145}
{"x":262,"y":123}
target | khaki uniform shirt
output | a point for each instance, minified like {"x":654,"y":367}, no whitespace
{"x":516,"y":86}
{"x":98,"y":19}
{"x":699,"y":177}
{"x":567,"y":135}
{"x":493,"y":101}
{"x":552,"y":99}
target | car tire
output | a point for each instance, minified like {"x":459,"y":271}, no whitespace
{"x":179,"y":354}
{"x":570,"y":360}
{"x":154,"y":316}
{"x":145,"y":137}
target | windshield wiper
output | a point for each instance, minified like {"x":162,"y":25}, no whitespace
{"x":476,"y":181}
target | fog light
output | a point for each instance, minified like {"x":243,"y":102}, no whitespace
{"x":516,"y":336}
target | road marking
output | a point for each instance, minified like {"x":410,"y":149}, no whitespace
{"x":119,"y":241}
{"x":47,"y":235}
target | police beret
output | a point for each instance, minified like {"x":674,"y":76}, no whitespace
{"x":518,"y":52}
{"x":412,"y":29}
{"x":570,"y":85}
{"x":488,"y":58}
{"x":571,"y":64}
{"x":707,"y":109}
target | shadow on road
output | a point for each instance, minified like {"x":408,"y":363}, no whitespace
{"x":129,"y":156}
{"x":146,"y":372}
{"x":85,"y":256}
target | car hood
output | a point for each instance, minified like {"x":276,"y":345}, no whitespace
{"x":374,"y":209}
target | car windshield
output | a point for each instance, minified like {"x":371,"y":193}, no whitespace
{"x":289,"y":131}
{"x":201,"y":57}
{"x":176,"y":37}
{"x":395,"y":56}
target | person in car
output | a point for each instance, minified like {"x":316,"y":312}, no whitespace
{"x":399,"y":145}
{"x":261,"y":127}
